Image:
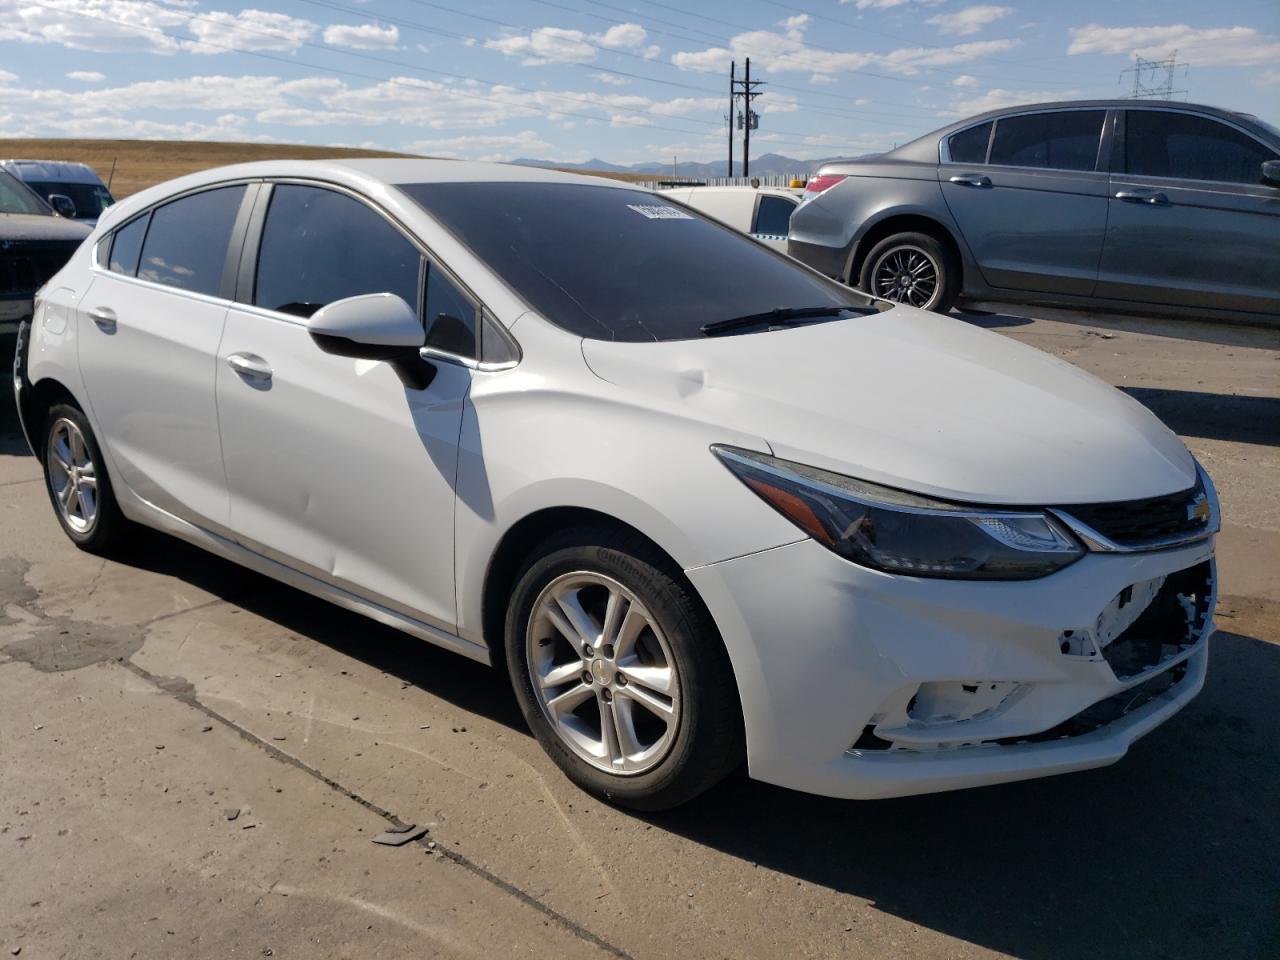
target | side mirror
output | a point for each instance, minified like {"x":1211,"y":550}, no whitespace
{"x":376,"y":326}
{"x":62,"y":205}
{"x":1271,"y":172}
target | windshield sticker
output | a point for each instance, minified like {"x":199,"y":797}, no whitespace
{"x":659,"y":212}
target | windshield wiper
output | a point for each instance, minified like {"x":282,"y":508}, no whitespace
{"x":778,"y":315}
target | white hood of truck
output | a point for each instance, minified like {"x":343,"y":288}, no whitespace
{"x":914,"y":400}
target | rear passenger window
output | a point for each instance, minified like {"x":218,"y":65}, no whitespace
{"x":319,"y":246}
{"x":1158,"y":143}
{"x":970,"y":146}
{"x":1067,"y":140}
{"x":126,"y":247}
{"x":451,"y":316}
{"x":186,"y":244}
{"x":773,"y":216}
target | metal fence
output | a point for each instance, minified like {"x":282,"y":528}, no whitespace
{"x":764,"y":180}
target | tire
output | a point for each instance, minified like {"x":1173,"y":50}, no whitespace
{"x":77,"y":482}
{"x":667,"y":679}
{"x":921,"y":253}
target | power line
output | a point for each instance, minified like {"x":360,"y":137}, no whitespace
{"x":452,"y":91}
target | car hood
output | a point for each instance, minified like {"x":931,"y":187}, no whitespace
{"x":914,"y":400}
{"x":30,"y":226}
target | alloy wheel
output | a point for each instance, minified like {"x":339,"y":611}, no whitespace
{"x":906,"y":274}
{"x":603,"y":673}
{"x":72,"y":476}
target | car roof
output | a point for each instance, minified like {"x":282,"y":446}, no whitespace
{"x":923,"y":147}
{"x":374,"y":176}
{"x":64,"y":171}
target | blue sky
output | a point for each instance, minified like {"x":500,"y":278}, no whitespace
{"x":624,"y":80}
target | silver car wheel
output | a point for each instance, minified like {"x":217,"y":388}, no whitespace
{"x":72,"y":476}
{"x":603,"y":673}
{"x":906,"y":274}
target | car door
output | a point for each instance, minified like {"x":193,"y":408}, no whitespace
{"x":1032,"y":205}
{"x":149,"y":326}
{"x":771,"y":223}
{"x":1190,"y":222}
{"x":334,"y":466}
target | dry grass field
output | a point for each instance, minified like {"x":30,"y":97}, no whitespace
{"x":142,"y":163}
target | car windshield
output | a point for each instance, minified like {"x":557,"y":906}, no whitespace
{"x":90,"y":198}
{"x":611,"y":263}
{"x":15,"y":198}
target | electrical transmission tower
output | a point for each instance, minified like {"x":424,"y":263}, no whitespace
{"x":747,"y":119}
{"x":1153,"y":79}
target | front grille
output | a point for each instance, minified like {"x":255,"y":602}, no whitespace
{"x":26,"y":264}
{"x":1139,"y":523}
{"x":1107,"y":711}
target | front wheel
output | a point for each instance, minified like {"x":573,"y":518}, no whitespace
{"x":619,"y":671}
{"x":912,"y":268}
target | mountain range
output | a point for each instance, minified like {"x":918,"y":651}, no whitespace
{"x":764,"y":165}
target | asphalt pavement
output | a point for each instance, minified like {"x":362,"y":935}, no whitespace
{"x":194,"y":761}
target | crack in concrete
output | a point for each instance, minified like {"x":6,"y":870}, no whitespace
{"x":65,"y":643}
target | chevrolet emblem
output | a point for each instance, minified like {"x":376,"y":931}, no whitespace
{"x":1198,"y":509}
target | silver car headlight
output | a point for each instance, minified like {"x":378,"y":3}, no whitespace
{"x":899,"y":532}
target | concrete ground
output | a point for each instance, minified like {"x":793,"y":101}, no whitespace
{"x":194,"y":759}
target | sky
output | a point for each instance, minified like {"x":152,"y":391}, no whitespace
{"x":623,"y":80}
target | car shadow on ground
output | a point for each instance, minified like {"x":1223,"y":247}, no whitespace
{"x":1264,"y":334}
{"x":1170,"y":853}
{"x":1214,"y":416}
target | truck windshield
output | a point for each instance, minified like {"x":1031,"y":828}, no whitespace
{"x":612,"y":263}
{"x":90,"y":198}
{"x":15,"y":198}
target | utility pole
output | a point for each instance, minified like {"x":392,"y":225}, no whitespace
{"x":733,"y":95}
{"x":1145,"y":72}
{"x":748,"y":119}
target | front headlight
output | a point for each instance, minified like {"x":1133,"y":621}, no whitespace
{"x":899,"y":532}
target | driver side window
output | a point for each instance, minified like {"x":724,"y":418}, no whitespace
{"x":319,"y":246}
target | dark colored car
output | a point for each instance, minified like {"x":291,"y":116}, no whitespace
{"x":34,"y":244}
{"x":1123,"y":204}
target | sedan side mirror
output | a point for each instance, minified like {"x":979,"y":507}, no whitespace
{"x":63,"y":205}
{"x":376,"y":326}
{"x":1271,"y":172}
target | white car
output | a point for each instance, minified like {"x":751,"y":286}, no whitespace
{"x":701,"y":503}
{"x":763,"y":213}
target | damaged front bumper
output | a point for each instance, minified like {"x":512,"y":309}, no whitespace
{"x":860,"y":684}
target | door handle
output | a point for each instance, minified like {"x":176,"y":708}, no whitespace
{"x":250,"y":366}
{"x":1142,"y":196}
{"x":971,"y":180}
{"x":105,"y":318}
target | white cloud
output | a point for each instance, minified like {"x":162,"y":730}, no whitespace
{"x":148,"y":26}
{"x":821,"y":79}
{"x":558,"y":45}
{"x":103,"y":26}
{"x":249,"y":30}
{"x":610,"y":78}
{"x":480,"y":147}
{"x":86,"y":76}
{"x":998,"y":99}
{"x":366,"y":36}
{"x":964,"y":80}
{"x":7,"y":77}
{"x":546,"y":45}
{"x":779,"y":53}
{"x":970,"y":20}
{"x":1230,"y":46}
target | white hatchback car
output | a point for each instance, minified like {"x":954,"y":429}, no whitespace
{"x":702,"y":504}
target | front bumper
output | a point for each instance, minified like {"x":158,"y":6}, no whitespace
{"x":859,"y":684}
